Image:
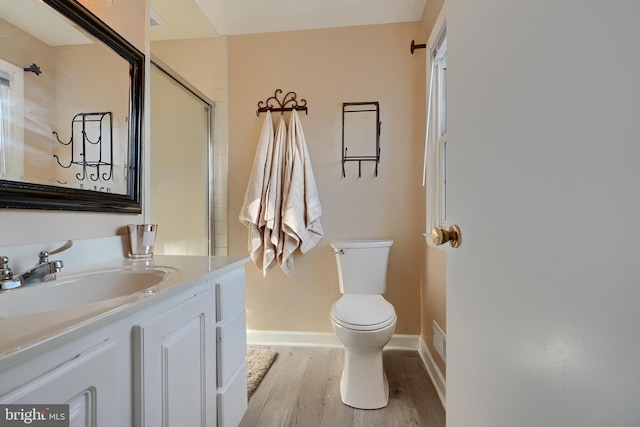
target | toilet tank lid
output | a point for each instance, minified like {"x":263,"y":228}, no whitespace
{"x":357,"y":244}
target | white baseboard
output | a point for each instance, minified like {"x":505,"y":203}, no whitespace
{"x":320,"y":339}
{"x":434,"y":372}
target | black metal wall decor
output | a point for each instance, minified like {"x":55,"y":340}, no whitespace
{"x":92,"y":153}
{"x":33,"y":68}
{"x":360,"y":107}
{"x":288,"y":103}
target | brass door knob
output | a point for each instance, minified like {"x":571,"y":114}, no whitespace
{"x":440,"y":236}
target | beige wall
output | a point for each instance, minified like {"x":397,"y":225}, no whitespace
{"x":433,"y":293}
{"x":328,"y":67}
{"x":32,"y":226}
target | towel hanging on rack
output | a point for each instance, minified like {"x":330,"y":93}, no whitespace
{"x":252,"y":211}
{"x":301,"y":209}
{"x":273,"y":234}
{"x":281,"y":207}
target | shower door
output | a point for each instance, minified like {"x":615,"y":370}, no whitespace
{"x":180,"y":145}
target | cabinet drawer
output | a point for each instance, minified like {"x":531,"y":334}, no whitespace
{"x":232,"y":345}
{"x":230,"y":293}
{"x":232,"y":399}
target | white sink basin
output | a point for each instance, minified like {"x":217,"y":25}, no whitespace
{"x":73,"y":291}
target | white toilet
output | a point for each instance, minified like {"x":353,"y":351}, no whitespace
{"x":363,"y":320}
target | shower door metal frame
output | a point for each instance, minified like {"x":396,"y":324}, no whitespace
{"x":156,"y":62}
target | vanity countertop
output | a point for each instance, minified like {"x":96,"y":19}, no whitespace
{"x":20,"y":335}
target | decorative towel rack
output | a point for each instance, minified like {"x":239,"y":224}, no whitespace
{"x":95,"y":148}
{"x":360,"y":107}
{"x":288,"y":103}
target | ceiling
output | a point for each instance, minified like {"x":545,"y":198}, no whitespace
{"x":205,"y":18}
{"x":43,"y":23}
{"x":186,"y":19}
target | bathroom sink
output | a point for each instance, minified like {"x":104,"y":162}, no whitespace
{"x":78,"y":290}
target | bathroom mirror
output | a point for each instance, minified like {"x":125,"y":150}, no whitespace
{"x":71,"y":105}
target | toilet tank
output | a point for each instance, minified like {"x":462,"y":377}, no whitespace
{"x":362,"y":265}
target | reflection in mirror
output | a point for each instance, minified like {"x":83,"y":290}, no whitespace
{"x":70,"y":110}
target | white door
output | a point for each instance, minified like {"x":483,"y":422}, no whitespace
{"x":543,"y":296}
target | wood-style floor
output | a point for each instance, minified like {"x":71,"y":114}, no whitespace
{"x":302,"y":388}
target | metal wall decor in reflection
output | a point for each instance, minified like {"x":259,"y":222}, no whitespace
{"x":94,"y":150}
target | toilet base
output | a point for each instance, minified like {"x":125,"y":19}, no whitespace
{"x":364,"y":384}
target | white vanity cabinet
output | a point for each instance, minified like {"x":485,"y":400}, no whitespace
{"x":231,"y":337}
{"x":175,"y":358}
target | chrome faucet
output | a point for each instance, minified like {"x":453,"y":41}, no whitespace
{"x":43,"y":271}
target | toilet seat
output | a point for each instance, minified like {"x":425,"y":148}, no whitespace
{"x":363,"y":312}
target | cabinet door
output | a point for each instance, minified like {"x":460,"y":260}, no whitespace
{"x":174,"y":366}
{"x":87,"y":383}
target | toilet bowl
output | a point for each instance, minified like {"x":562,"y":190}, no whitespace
{"x":363,"y":383}
{"x":363,"y":321}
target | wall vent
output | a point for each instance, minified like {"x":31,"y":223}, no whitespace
{"x":440,"y":341}
{"x":155,"y":20}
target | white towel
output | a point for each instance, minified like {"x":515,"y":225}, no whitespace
{"x":272,"y":202}
{"x":252,"y":211}
{"x":301,"y":209}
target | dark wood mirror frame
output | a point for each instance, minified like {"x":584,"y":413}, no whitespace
{"x":21,"y":195}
